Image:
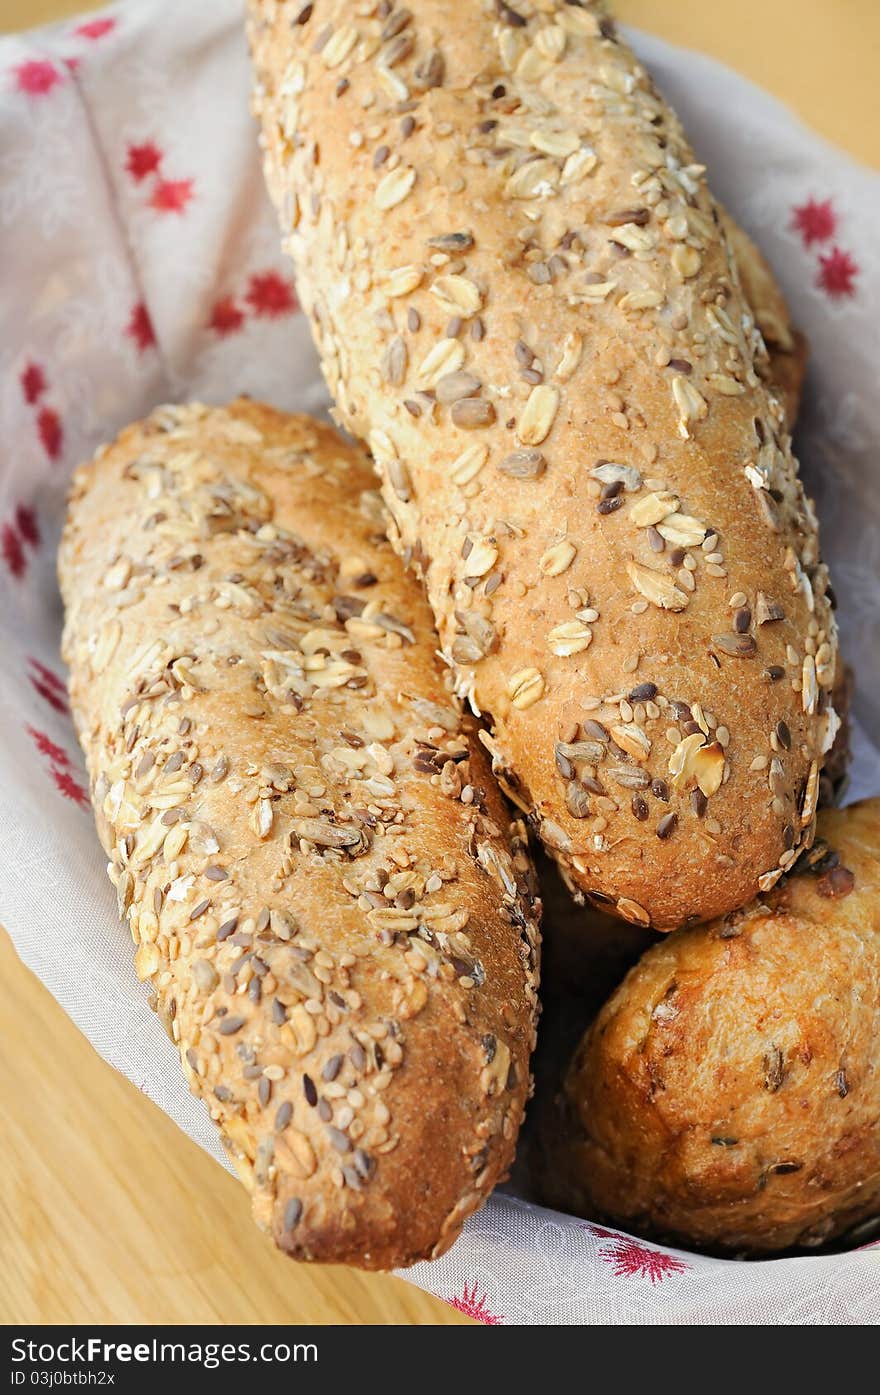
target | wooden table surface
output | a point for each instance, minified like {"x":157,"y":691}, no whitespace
{"x":107,"y":1212}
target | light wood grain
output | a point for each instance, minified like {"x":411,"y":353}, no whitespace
{"x":27,"y":14}
{"x":819,"y":56}
{"x":107,"y":1212}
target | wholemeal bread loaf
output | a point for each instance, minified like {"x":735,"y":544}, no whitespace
{"x":524,"y":302}
{"x":303,"y":832}
{"x":728,"y":1094}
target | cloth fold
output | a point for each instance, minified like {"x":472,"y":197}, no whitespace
{"x":139,"y":262}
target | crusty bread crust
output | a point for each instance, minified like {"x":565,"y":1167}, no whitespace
{"x":787,"y":349}
{"x":727,"y":1095}
{"x":303,"y":832}
{"x":524,"y":302}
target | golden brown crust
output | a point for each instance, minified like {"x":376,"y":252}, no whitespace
{"x":787,"y":371}
{"x":835,"y":772}
{"x":303,"y":832}
{"x":524,"y":303}
{"x":727,"y":1094}
{"x":787,"y":348}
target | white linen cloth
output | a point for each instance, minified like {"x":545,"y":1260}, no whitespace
{"x":139,"y":262}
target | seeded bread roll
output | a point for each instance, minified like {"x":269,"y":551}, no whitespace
{"x":303,"y":833}
{"x":524,"y":303}
{"x":728,"y":1094}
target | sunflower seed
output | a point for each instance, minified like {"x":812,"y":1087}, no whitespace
{"x":577,"y":801}
{"x":737,"y":646}
{"x":481,"y":633}
{"x":452,"y":242}
{"x":523,"y":464}
{"x":430,"y":72}
{"x":767,"y":611}
{"x":394,"y":361}
{"x":471,"y":413}
{"x":631,"y":777}
{"x":399,"y":479}
{"x":454,"y":386}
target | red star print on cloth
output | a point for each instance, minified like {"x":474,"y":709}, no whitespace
{"x":815,"y":222}
{"x":26,"y":523}
{"x":59,"y":764}
{"x":269,"y":295}
{"x":12,"y":551}
{"x":49,"y":695}
{"x":95,"y":28}
{"x":36,"y":77}
{"x":48,"y":676}
{"x":49,"y":686}
{"x":33,"y":382}
{"x":47,"y":747}
{"x":142,"y":160}
{"x":140,"y":327}
{"x":837,"y":273}
{"x":226,"y":317}
{"x":475,"y":1307}
{"x":50,"y":432}
{"x":69,"y":787}
{"x":15,"y":537}
{"x":631,"y":1259}
{"x":172,"y":195}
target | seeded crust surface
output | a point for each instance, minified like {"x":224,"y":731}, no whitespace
{"x":786,"y":346}
{"x":727,"y":1095}
{"x":324,"y":890}
{"x":525,"y":303}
